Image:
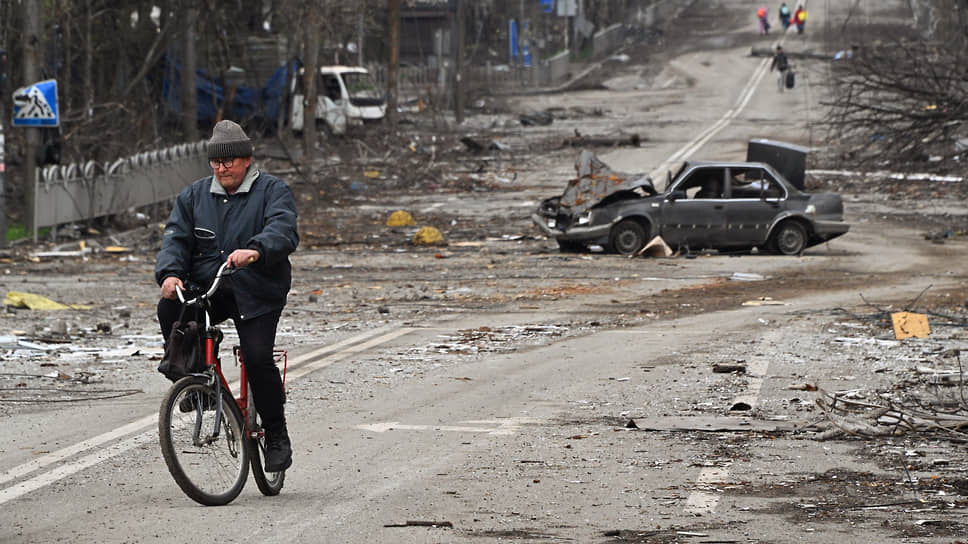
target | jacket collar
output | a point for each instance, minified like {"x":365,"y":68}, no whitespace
{"x":247,"y":181}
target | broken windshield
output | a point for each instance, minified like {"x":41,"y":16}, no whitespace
{"x":361,"y":85}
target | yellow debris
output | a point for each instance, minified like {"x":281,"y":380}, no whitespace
{"x":907,"y":325}
{"x":428,"y":236}
{"x":400,"y":218}
{"x":37,"y":302}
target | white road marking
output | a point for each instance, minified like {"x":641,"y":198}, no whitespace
{"x":300,"y":366}
{"x":497,"y":427}
{"x":312,"y":366}
{"x":45,"y":478}
{"x":69,"y":451}
{"x":692,"y":146}
{"x":756,"y":370}
{"x":702,"y":501}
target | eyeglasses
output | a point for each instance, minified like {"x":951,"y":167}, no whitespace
{"x":226,"y":163}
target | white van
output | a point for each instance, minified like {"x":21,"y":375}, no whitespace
{"x":347,"y":95}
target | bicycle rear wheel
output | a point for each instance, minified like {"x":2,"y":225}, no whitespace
{"x":210,"y":465}
{"x":270,"y":483}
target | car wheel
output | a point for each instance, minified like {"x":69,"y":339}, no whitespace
{"x":790,"y":238}
{"x":627,"y":238}
{"x":567,"y":246}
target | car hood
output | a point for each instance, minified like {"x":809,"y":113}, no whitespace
{"x":595,"y":181}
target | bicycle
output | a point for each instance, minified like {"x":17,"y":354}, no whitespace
{"x":210,"y":438}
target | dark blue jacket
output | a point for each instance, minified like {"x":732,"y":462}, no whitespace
{"x":207,"y":224}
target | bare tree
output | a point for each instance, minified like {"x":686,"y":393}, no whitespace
{"x":902,"y":101}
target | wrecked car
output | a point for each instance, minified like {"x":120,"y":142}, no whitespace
{"x":706,"y":205}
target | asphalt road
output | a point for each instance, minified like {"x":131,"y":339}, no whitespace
{"x":510,"y":393}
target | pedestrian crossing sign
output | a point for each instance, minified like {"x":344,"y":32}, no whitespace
{"x":36,"y":105}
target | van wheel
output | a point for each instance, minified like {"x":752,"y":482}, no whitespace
{"x":627,"y":238}
{"x":323,"y":128}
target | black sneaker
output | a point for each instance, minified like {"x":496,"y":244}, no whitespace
{"x":188,"y":404}
{"x":278,"y":451}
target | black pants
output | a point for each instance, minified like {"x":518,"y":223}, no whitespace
{"x":257,"y":336}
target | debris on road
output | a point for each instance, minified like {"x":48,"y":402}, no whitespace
{"x":400,"y":218}
{"x":581,"y":140}
{"x":542,"y":118}
{"x":33,"y":301}
{"x":428,"y":236}
{"x":418,"y":523}
{"x":910,"y":325}
{"x":726,"y":368}
{"x":764,"y":301}
{"x":656,"y":248}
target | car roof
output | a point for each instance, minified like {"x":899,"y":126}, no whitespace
{"x":341,"y":68}
{"x":727,"y":164}
{"x":338,"y":68}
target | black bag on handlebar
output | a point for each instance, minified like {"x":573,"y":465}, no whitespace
{"x":184,"y":351}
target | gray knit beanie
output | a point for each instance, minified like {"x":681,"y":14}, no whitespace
{"x":228,"y":140}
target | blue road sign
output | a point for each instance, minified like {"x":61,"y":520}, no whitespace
{"x":36,"y":105}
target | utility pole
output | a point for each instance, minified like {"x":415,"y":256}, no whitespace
{"x":393,"y":60}
{"x":32,"y":51}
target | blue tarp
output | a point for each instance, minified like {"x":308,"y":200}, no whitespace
{"x":246,"y":103}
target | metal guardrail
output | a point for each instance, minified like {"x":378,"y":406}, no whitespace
{"x":80,"y":191}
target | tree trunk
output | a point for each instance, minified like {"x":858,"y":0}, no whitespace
{"x":311,"y":30}
{"x":88,"y":60}
{"x":189,"y":94}
{"x":393,"y":60}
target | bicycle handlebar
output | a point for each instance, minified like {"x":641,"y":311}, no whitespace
{"x":222,"y":272}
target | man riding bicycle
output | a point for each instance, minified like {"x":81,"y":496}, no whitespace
{"x":247,"y":218}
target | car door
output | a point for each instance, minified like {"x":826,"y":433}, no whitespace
{"x":331,"y":106}
{"x":693,"y":212}
{"x":755,"y":199}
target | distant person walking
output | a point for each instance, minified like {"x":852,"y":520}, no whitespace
{"x":784,"y":16}
{"x":764,"y":23}
{"x":781,"y":65}
{"x":800,"y":18}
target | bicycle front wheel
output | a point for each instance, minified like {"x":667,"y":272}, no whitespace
{"x":209,"y":463}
